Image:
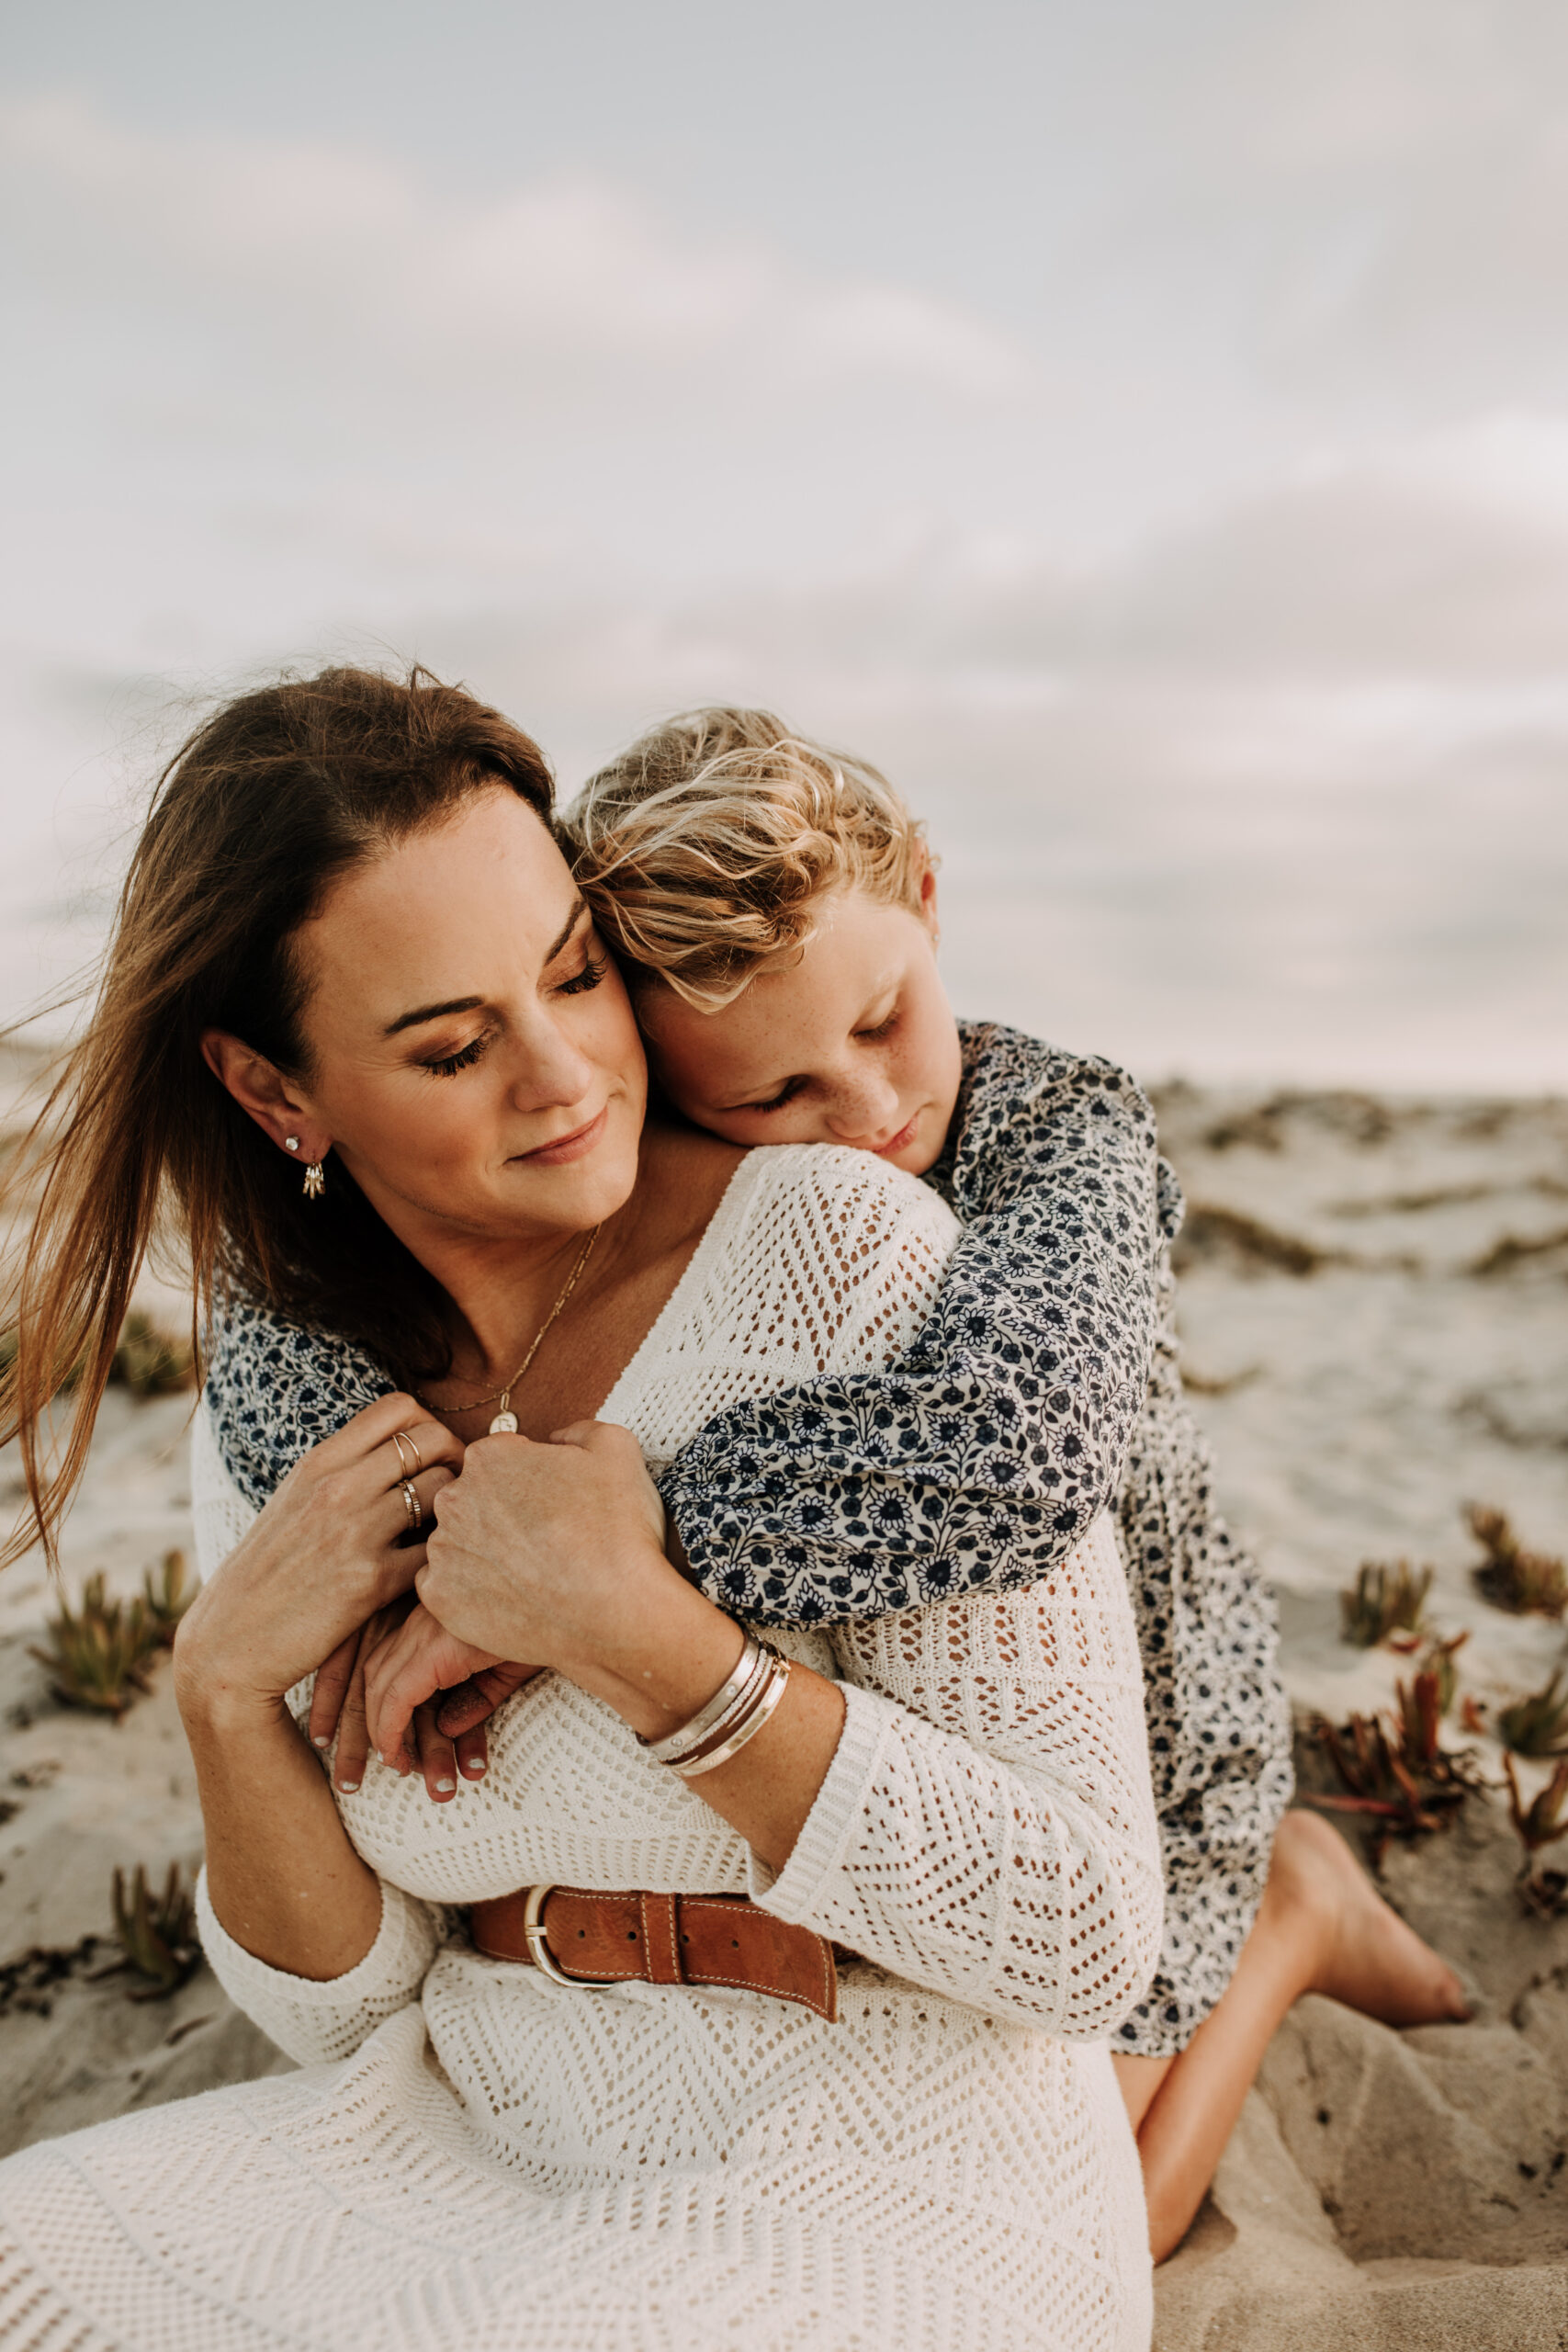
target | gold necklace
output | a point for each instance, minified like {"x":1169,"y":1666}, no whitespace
{"x":505,"y":1422}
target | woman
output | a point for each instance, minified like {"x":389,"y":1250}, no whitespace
{"x":772,"y":908}
{"x":344,"y":897}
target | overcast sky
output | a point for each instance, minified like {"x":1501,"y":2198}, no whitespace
{"x":1142,"y":428}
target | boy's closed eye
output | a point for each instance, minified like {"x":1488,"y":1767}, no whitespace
{"x":852,"y":1043}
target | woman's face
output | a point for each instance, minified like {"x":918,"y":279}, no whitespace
{"x":474,"y":1060}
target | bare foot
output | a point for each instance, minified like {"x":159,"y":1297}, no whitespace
{"x":1368,"y":1957}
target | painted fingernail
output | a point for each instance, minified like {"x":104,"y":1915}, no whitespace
{"x":380,"y":1758}
{"x":348,"y":1786}
{"x":476,"y":1769}
{"x":319,"y":1739}
{"x":445,"y":1787}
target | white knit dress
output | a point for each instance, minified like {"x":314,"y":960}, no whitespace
{"x":475,"y":2159}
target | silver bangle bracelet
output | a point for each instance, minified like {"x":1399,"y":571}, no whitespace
{"x":689,"y":1735}
{"x":734,"y":1714}
{"x":756,"y":1716}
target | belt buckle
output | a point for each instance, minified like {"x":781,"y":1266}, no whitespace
{"x":540,"y":1951}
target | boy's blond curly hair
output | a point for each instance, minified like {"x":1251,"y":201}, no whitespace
{"x":708,"y":848}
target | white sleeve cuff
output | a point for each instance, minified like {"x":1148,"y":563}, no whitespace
{"x":802,"y":1891}
{"x":311,"y":2019}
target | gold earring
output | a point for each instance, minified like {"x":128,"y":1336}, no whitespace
{"x":315,"y":1180}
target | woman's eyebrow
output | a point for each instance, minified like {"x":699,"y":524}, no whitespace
{"x":468,"y":1004}
{"x":579,"y":910}
{"x":431,"y":1013}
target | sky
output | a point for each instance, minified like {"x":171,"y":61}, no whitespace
{"x":1143,"y":430}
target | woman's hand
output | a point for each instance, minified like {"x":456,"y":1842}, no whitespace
{"x":332,"y":1548}
{"x":551,"y":1552}
{"x":556,"y":1552}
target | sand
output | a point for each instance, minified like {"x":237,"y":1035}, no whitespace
{"x":1374,"y":1307}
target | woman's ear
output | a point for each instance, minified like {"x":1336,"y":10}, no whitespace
{"x":261,"y":1089}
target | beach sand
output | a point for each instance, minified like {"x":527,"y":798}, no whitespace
{"x":1373,"y":1317}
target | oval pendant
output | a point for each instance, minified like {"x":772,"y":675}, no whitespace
{"x":504,"y":1425}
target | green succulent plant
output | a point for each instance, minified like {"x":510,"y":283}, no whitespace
{"x":98,"y":1652}
{"x":1539,"y":1824}
{"x":1395,"y":1773}
{"x":156,"y":1933}
{"x":1384,"y":1600}
{"x":148,"y":1361}
{"x":1523,"y":1582}
{"x":1537,"y":1726}
{"x":1438,"y":1661}
{"x":168,"y":1591}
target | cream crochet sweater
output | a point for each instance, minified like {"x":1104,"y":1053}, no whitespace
{"x":476,"y":2157}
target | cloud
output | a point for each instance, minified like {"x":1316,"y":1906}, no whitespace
{"x":1277,"y":788}
{"x":1363,"y":204}
{"x":549,"y":276}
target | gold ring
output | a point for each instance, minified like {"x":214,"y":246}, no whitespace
{"x":412,"y":1503}
{"x":401,"y":1438}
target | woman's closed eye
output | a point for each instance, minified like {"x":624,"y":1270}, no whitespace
{"x":592,"y":972}
{"x":448,"y":1065}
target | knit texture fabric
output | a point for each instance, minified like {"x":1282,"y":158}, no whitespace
{"x":474,"y":2155}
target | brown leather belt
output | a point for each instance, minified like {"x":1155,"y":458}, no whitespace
{"x":597,"y":1940}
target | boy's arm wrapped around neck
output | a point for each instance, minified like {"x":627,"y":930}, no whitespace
{"x":980,"y":1457}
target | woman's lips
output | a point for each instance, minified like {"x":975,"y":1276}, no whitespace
{"x":563,"y":1149}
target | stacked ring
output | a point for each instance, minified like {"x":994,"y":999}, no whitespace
{"x":401,"y":1438}
{"x":411,"y":1504}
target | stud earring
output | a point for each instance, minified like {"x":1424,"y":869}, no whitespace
{"x":315,"y":1180}
{"x":291,"y":1143}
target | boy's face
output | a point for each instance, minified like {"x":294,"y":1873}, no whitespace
{"x":855,"y":1044}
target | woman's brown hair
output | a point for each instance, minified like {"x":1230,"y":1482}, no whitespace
{"x":252,"y":822}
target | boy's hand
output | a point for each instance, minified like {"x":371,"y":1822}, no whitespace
{"x":450,"y":1735}
{"x":469,"y":1707}
{"x":406,"y":1674}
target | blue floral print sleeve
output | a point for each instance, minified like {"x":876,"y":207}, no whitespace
{"x":982,"y":1457}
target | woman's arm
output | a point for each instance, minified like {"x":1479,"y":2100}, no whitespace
{"x":558,"y":1552}
{"x":988,"y":1826}
{"x":326,"y":1553}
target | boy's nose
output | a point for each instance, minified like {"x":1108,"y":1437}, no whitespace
{"x":865,"y":1113}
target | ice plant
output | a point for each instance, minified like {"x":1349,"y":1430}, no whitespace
{"x":1384,"y":1600}
{"x":1537,"y":1726}
{"x":167,"y":1593}
{"x":1440,"y":1661}
{"x":1539,"y":1824}
{"x":155,"y":1933}
{"x":1395,"y":1773}
{"x":148,"y":1361}
{"x":1511,"y":1577}
{"x":98,"y":1653}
